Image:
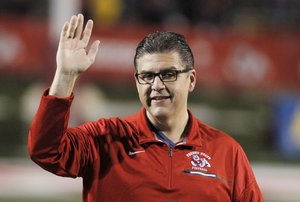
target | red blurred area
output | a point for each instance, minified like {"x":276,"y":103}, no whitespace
{"x":264,"y":61}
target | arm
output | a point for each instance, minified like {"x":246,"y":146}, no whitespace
{"x":72,"y":56}
{"x":50,"y":144}
{"x":246,"y":187}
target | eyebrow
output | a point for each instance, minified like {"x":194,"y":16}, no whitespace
{"x":162,"y":70}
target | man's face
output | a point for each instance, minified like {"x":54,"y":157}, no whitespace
{"x":164,"y":100}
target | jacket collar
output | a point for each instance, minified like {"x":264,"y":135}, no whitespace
{"x":146,"y":135}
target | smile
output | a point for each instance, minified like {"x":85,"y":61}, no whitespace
{"x":159,"y":99}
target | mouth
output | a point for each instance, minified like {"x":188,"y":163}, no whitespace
{"x":160,"y":98}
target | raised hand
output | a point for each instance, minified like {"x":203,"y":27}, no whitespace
{"x":72,"y":56}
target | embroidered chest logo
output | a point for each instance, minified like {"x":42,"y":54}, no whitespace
{"x":199,"y":160}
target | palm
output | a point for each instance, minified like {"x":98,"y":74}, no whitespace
{"x":72,"y":57}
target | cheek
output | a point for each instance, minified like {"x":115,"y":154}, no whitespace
{"x":181,"y":92}
{"x":140,"y":92}
{"x":143,"y":94}
{"x":181,"y":89}
{"x":140,"y":89}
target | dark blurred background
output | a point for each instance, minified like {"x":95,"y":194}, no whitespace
{"x":247,"y":58}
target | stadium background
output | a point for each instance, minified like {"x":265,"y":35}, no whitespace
{"x":247,"y":56}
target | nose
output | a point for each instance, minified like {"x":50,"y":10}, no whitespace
{"x":157,"y":84}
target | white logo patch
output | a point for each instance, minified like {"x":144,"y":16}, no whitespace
{"x":131,"y":153}
{"x":199,"y":160}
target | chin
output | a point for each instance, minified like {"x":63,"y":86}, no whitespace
{"x":159,"y":113}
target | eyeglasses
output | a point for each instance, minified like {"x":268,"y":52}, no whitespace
{"x":169,"y":75}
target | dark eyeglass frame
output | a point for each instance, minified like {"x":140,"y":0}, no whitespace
{"x":161,"y":75}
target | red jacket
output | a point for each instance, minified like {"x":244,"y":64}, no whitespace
{"x":120,"y":159}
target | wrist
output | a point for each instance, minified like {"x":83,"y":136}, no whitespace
{"x":63,"y":84}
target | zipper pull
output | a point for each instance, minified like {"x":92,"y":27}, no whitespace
{"x":170,"y":152}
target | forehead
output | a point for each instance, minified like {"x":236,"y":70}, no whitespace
{"x":159,"y":61}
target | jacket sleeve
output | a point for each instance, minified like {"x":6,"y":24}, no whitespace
{"x":62,"y":151}
{"x":246,"y":188}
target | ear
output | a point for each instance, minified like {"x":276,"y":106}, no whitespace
{"x":192,"y":78}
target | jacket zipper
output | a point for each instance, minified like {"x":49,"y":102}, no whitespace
{"x":170,"y":168}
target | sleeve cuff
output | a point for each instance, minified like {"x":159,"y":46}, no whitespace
{"x":66,"y":100}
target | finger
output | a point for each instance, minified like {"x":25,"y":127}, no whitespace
{"x":72,"y":27}
{"x":93,"y":51}
{"x":64,"y":31}
{"x":78,"y":31}
{"x":87,"y":32}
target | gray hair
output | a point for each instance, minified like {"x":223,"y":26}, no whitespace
{"x":161,"y":42}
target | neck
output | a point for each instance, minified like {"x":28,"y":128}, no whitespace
{"x":173,"y":128}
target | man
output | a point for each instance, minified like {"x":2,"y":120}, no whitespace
{"x":162,"y":153}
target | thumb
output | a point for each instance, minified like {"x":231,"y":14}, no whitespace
{"x":93,"y":50}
